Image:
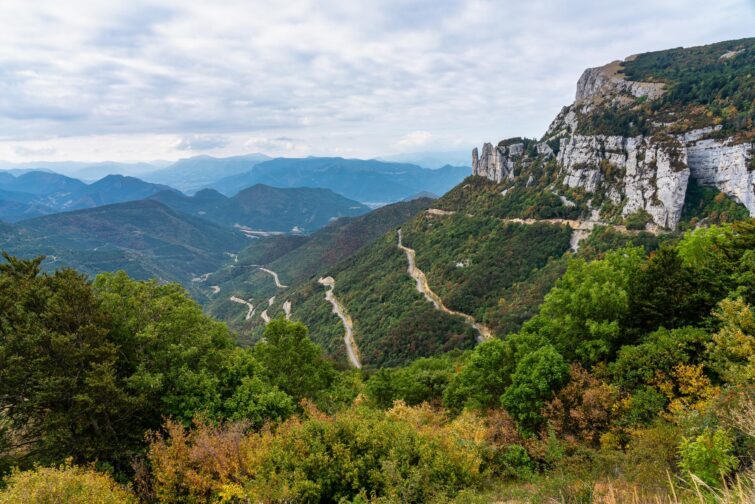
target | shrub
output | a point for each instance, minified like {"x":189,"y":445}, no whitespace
{"x":514,"y":462}
{"x":732,"y":351}
{"x":652,"y":453}
{"x":584,"y":408}
{"x":406,"y":454}
{"x":709,"y":456}
{"x":65,"y":484}
{"x":644,"y":406}
{"x":637,"y":220}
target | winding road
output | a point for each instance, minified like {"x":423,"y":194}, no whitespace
{"x":249,"y":305}
{"x":581,"y":228}
{"x":264,"y":316}
{"x":351,"y":346}
{"x":287,"y":309}
{"x":484,"y":332}
{"x":275,"y":276}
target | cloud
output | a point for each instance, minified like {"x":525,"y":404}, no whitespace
{"x":337,"y":76}
{"x":415,"y":139}
{"x":38,"y":152}
{"x":277,"y":144}
{"x":200,"y":142}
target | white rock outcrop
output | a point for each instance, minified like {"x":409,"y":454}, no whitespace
{"x":498,"y":163}
{"x":637,"y":172}
{"x":606,"y":82}
{"x":713,"y":163}
{"x":642,"y":173}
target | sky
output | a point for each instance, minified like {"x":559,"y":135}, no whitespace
{"x":94,"y":80}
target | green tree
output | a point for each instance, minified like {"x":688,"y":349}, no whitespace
{"x":257,"y":402}
{"x":538,"y":375}
{"x":668,"y":293}
{"x":172,"y":355}
{"x":636,"y":365}
{"x":424,"y":380}
{"x":481,"y":381}
{"x":581,"y":315}
{"x":292,"y":362}
{"x":59,"y":391}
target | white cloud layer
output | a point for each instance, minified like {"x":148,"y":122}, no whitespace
{"x":139,"y":79}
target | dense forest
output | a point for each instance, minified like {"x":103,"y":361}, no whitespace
{"x":632,"y":382}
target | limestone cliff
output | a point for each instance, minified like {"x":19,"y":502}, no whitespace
{"x":623,"y":174}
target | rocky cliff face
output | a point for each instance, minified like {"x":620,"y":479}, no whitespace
{"x":624,"y":175}
{"x":499,"y":163}
{"x":636,"y":173}
{"x":598,"y":84}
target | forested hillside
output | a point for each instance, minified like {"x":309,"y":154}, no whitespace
{"x":633,"y":382}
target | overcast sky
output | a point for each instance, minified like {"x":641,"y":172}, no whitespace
{"x":143,"y":80}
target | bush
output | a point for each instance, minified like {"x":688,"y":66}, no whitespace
{"x":405,"y":454}
{"x":637,"y":220}
{"x":709,"y":456}
{"x":65,"y":484}
{"x":652,"y":453}
{"x":514,"y":462}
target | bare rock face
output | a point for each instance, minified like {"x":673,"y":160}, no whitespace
{"x":713,"y":163}
{"x":642,"y":173}
{"x":606,"y":83}
{"x":495,"y":163}
{"x":635,"y":172}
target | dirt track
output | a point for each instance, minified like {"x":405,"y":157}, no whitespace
{"x":351,"y":346}
{"x":484,"y":332}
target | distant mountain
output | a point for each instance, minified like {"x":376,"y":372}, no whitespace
{"x":41,"y":182}
{"x":116,"y":189}
{"x":368,"y":181}
{"x":39,"y":193}
{"x":432,"y":160}
{"x":423,"y":194}
{"x":197,"y":172}
{"x":84,"y":170}
{"x":144,"y":238}
{"x":6,"y":177}
{"x":265,"y":208}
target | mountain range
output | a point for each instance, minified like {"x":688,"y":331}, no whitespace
{"x":367,"y":181}
{"x":265,"y":208}
{"x":192,"y":174}
{"x":38,"y":193}
{"x":145,"y":238}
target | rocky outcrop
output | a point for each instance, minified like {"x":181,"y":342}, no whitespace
{"x":637,"y":173}
{"x":625,"y":175}
{"x":713,"y":163}
{"x":607,"y":83}
{"x":499,"y":163}
{"x":495,"y":163}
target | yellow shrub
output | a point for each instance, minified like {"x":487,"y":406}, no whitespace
{"x":65,"y":484}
